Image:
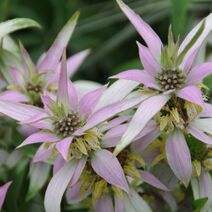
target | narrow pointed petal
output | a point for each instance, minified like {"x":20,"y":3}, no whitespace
{"x":144,"y":113}
{"x":196,"y":46}
{"x":62,"y":93}
{"x":115,"y":122}
{"x":39,"y":137}
{"x":192,"y":94}
{"x":113,"y":136}
{"x":85,"y":86}
{"x":58,"y":185}
{"x":198,"y":73}
{"x":73,"y":96}
{"x":111,"y":110}
{"x":55,"y":52}
{"x":170,"y":200}
{"x":63,"y":147}
{"x":88,"y":101}
{"x":119,"y":204}
{"x":104,"y":204}
{"x":78,"y":171}
{"x":73,"y":194}
{"x":75,"y":61}
{"x":204,"y":125}
{"x":178,"y":156}
{"x":13,"y":96}
{"x":147,"y":33}
{"x":116,"y":92}
{"x":142,"y":143}
{"x":134,"y":202}
{"x":3,"y":192}
{"x":43,"y":153}
{"x":207,"y":110}
{"x":141,"y":76}
{"x":18,"y":111}
{"x":205,"y":189}
{"x":59,"y":162}
{"x":107,"y":166}
{"x":148,"y":61}
{"x":200,"y":135}
{"x":149,"y":178}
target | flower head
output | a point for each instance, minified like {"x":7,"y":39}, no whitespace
{"x":168,"y":71}
{"x":27,"y":81}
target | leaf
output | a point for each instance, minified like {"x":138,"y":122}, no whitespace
{"x":199,"y":203}
{"x":179,"y":9}
{"x":16,"y":24}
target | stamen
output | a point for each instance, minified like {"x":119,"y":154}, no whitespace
{"x":170,"y":79}
{"x":67,"y":125}
{"x":35,"y":88}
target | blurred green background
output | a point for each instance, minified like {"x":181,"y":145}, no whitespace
{"x":102,"y":27}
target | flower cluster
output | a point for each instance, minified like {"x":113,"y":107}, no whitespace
{"x":116,"y":147}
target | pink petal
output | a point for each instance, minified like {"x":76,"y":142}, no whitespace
{"x":141,"y":76}
{"x":75,"y":61}
{"x":142,"y":143}
{"x":199,"y":72}
{"x":3,"y":192}
{"x":62,"y":93}
{"x":147,"y":177}
{"x":104,"y":204}
{"x":115,"y":122}
{"x":73,"y":194}
{"x":200,"y":135}
{"x":113,"y":136}
{"x":89,"y":101}
{"x":207,"y":110}
{"x":119,"y":204}
{"x":39,"y":137}
{"x":206,"y":188}
{"x":13,"y":96}
{"x":196,"y":46}
{"x":59,"y":162}
{"x":43,"y":153}
{"x":18,"y":111}
{"x":73,"y":96}
{"x":192,"y":94}
{"x":178,"y":156}
{"x":58,"y":185}
{"x":116,"y":92}
{"x":107,"y":166}
{"x":148,"y":61}
{"x":111,"y":110}
{"x":144,"y":113}
{"x":78,"y":171}
{"x":52,"y":57}
{"x":147,"y":33}
{"x":169,"y":199}
{"x":63,"y":147}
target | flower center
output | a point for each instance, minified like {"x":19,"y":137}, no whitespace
{"x":34,"y":88}
{"x":170,"y":79}
{"x":67,"y":125}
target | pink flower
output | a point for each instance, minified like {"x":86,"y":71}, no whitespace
{"x":3,"y":192}
{"x":28,"y":81}
{"x":167,"y":73}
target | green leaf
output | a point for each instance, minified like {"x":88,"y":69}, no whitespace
{"x":16,"y":24}
{"x":199,"y":203}
{"x":179,"y":10}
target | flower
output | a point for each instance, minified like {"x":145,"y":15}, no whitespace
{"x":3,"y":192}
{"x":183,"y":130}
{"x":28,"y":81}
{"x":167,"y":71}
